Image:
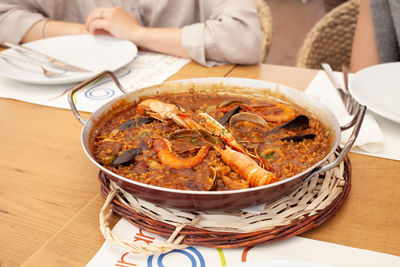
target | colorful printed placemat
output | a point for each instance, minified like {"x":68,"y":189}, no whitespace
{"x":295,"y":249}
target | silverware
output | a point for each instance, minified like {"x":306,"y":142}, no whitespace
{"x":345,"y":71}
{"x":56,"y":62}
{"x":352,"y":104}
{"x":45,"y":72}
{"x":344,"y":95}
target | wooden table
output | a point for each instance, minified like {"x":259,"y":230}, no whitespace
{"x":50,"y":201}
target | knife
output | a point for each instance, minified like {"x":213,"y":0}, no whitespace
{"x":53,"y":61}
{"x":44,"y":71}
{"x":343,"y":94}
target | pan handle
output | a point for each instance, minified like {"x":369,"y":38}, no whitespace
{"x":356,"y":122}
{"x":73,"y":90}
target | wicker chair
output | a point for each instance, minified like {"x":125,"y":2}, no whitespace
{"x":264,"y":15}
{"x":330,"y":40}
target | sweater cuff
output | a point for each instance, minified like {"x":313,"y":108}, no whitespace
{"x":193,"y":42}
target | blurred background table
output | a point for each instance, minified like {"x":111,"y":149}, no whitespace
{"x":50,"y":200}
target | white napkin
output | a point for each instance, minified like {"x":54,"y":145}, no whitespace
{"x":370,"y":137}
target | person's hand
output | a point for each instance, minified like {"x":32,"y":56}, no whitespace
{"x":117,"y":22}
{"x":113,"y":21}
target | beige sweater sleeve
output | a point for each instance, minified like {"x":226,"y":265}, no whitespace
{"x":16,"y":20}
{"x":231,"y":34}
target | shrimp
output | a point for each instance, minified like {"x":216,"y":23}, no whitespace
{"x":247,"y":168}
{"x":164,"y":152}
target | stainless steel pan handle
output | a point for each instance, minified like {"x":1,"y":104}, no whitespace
{"x":73,"y":90}
{"x":356,"y":122}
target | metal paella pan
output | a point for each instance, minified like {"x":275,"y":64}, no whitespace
{"x":254,"y":191}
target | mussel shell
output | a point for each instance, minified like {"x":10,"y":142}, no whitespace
{"x":127,"y":156}
{"x":300,"y":121}
{"x":144,"y":120}
{"x":227,"y":116}
{"x":132,"y":122}
{"x":128,"y":124}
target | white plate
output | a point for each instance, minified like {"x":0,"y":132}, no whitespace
{"x":94,"y":53}
{"x":378,"y":88}
{"x":280,"y":263}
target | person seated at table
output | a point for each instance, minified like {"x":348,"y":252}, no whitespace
{"x":208,"y":31}
{"x":376,"y":39}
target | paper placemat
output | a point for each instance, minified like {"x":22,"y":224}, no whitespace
{"x":389,"y":148}
{"x":295,"y":248}
{"x":145,"y":70}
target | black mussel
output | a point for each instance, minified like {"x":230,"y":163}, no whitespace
{"x":128,"y":124}
{"x":298,"y":138}
{"x":127,"y":157}
{"x":300,"y":121}
{"x":145,"y":120}
{"x":132,"y":122}
{"x":226,"y":117}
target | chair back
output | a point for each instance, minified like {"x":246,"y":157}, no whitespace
{"x":331,"y":38}
{"x":264,"y":15}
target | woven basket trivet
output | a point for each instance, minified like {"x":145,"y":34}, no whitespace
{"x":303,"y":209}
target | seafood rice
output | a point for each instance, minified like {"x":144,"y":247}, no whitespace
{"x":209,"y":142}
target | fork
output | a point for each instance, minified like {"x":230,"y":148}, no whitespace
{"x":342,"y":92}
{"x":44,"y":71}
{"x":352,"y":105}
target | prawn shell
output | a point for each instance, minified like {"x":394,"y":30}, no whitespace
{"x":172,"y":160}
{"x":246,"y":167}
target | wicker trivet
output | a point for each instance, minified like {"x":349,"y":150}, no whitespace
{"x":303,"y":209}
